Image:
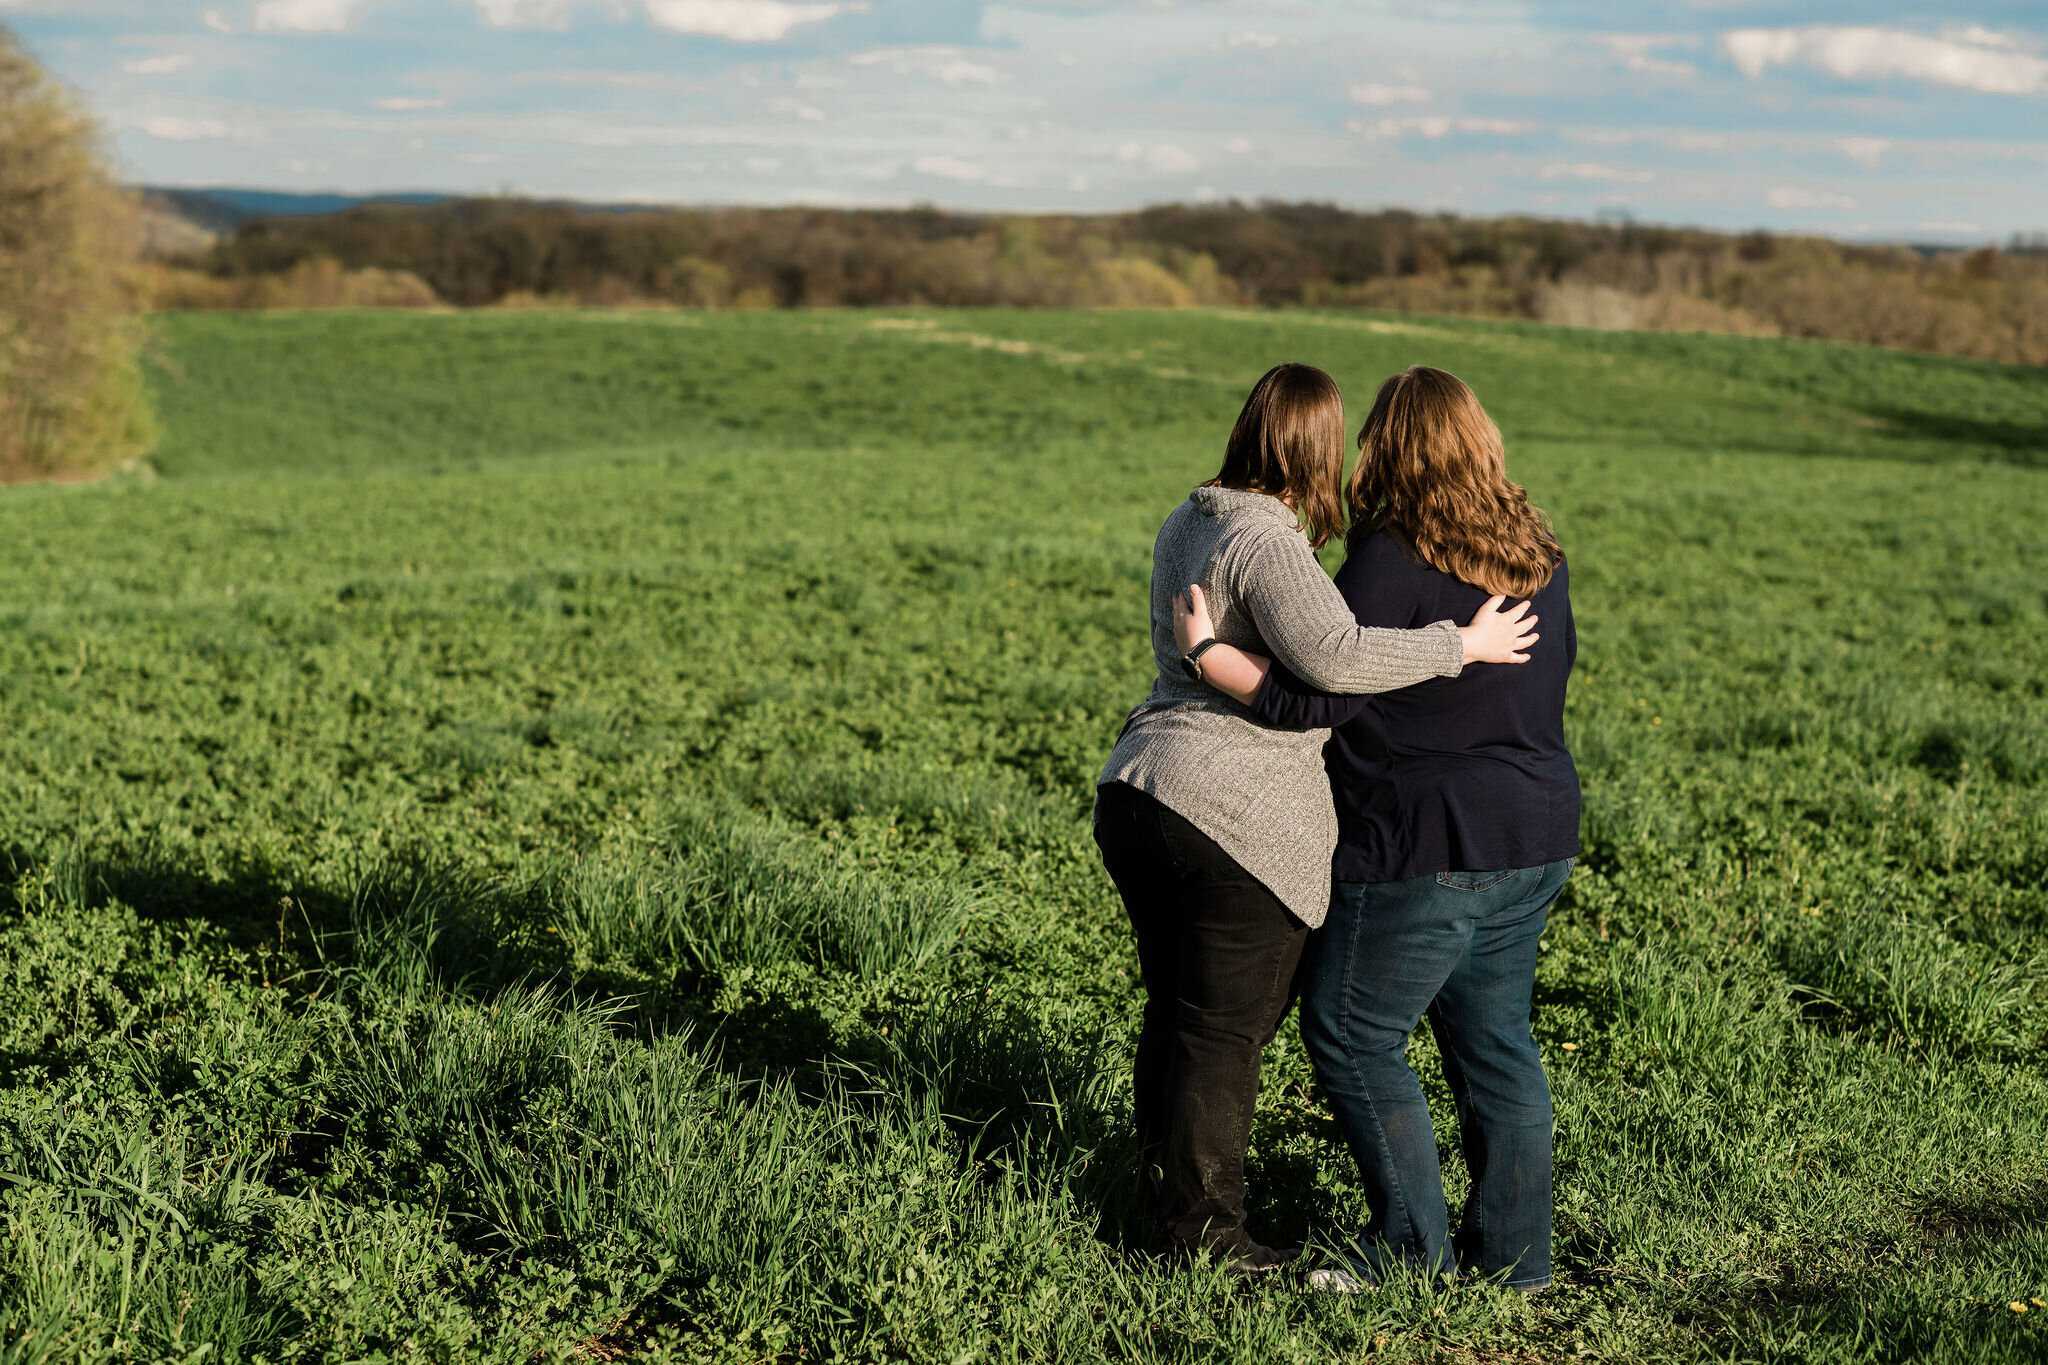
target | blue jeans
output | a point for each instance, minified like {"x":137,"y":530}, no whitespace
{"x":1461,"y":946}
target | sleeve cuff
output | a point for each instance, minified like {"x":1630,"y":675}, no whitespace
{"x":1455,"y":663}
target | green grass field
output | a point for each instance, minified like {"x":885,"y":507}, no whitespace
{"x":553,"y":836}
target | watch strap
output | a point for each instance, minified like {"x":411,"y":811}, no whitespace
{"x":1193,"y":658}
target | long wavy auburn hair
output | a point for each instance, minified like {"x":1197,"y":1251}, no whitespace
{"x":1432,"y":472}
{"x":1289,"y":442}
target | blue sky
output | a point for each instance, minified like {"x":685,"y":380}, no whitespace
{"x":1859,"y":120}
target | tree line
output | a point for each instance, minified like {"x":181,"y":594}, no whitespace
{"x":1988,"y":302}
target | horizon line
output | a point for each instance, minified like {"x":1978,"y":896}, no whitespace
{"x":2018,"y":239}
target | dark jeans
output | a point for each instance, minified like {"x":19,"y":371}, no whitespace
{"x":1218,"y":952}
{"x":1461,"y":945}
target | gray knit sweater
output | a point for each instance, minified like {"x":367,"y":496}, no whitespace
{"x":1260,"y":793}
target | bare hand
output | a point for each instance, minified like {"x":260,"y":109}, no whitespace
{"x":1190,"y":619}
{"x":1497,"y":636}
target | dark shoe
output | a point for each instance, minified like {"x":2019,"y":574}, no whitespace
{"x":1254,"y":1259}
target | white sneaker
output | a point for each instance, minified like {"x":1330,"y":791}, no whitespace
{"x":1330,"y":1281}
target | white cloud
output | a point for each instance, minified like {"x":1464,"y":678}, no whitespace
{"x":1941,"y":225}
{"x":173,"y":129}
{"x":1258,"y":40}
{"x":1795,"y":197}
{"x":307,"y":16}
{"x":1205,"y":194}
{"x":763,"y":165}
{"x":526,"y":13}
{"x":1864,"y":151}
{"x":622,"y":80}
{"x":403,"y":104}
{"x":216,"y":20}
{"x":1879,"y":53}
{"x":1979,"y":36}
{"x":1592,"y":170}
{"x":1380,"y":96}
{"x":170,"y":64}
{"x":950,"y":168}
{"x":742,"y":21}
{"x":1434,"y":126}
{"x":1164,"y":158}
{"x":945,"y":64}
{"x":1239,"y":146}
{"x":1635,"y":50}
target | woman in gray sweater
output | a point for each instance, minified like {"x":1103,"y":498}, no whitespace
{"x":1217,"y":830}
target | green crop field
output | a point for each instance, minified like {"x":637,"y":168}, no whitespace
{"x":565,"y":835}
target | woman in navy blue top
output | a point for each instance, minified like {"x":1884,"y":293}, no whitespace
{"x":1457,"y":813}
{"x":1452,"y":773}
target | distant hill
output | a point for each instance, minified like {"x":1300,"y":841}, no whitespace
{"x":225,"y":209}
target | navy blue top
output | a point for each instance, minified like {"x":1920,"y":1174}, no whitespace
{"x":1465,"y":774}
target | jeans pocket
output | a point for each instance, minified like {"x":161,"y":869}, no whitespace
{"x":1473,"y":881}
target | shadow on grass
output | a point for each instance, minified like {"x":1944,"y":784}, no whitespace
{"x":1023,"y":1090}
{"x":2020,"y":443}
{"x":478,"y":936}
{"x":1952,"y":1223}
{"x":1026,"y":1087}
{"x":1831,"y":1314}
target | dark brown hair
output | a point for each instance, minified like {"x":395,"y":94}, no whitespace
{"x":1431,"y":470}
{"x":1289,"y":442}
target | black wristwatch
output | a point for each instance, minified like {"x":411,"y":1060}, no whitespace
{"x":1193,"y":658}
